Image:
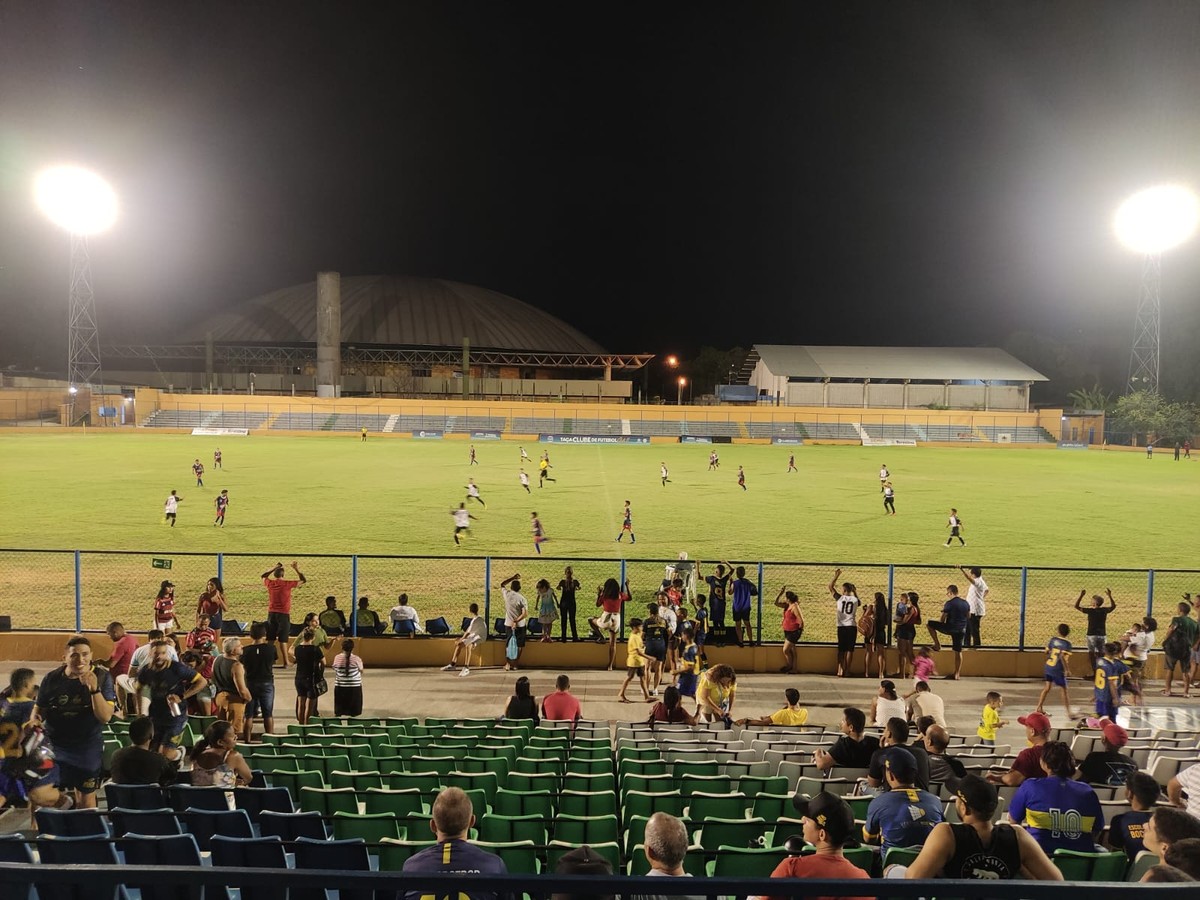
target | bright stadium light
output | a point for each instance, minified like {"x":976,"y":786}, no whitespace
{"x":76,"y":200}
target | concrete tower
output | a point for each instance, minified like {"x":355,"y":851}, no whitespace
{"x":329,"y":334}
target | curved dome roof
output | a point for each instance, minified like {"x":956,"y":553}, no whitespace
{"x":400,"y":309}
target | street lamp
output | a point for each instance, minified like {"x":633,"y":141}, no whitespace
{"x":1149,"y":223}
{"x":679,"y":398}
{"x":82,"y":204}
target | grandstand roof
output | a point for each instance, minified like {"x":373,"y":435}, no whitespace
{"x":911,"y":363}
{"x":403,"y":310}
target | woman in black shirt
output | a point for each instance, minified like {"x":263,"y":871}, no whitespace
{"x":522,"y":704}
{"x":309,"y":668}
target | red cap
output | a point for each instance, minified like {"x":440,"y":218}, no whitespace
{"x":1115,"y":735}
{"x":1039,"y":722}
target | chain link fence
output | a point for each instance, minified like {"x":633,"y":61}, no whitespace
{"x":63,"y":590}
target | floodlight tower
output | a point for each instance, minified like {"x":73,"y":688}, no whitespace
{"x":1151,"y":222}
{"x":82,"y":204}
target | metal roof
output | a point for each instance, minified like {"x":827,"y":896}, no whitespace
{"x":399,"y":309}
{"x":910,"y":363}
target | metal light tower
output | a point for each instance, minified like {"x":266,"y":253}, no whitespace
{"x":83,"y":204}
{"x":1150,"y":222}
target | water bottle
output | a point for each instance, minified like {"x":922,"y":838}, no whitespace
{"x":174,"y":708}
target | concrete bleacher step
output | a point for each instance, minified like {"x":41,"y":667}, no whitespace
{"x":390,"y":425}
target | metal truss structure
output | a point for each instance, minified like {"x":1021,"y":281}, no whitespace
{"x":274,"y":357}
{"x":83,"y":338}
{"x":1144,"y":358}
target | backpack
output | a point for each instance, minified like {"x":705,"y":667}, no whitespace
{"x":866,"y":622}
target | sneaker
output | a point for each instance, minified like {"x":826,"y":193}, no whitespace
{"x":449,"y":667}
{"x":464,"y":673}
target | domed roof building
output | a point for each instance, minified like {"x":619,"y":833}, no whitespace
{"x":400,"y":310}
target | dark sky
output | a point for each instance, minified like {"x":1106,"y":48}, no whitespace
{"x":661,"y":175}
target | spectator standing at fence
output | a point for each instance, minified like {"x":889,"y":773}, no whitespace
{"x":611,"y":597}
{"x":312,"y":623}
{"x":974,"y":848}
{"x":74,"y":703}
{"x":1060,"y":813}
{"x":977,"y":595}
{"x":743,"y":589}
{"x":164,"y":608}
{"x":873,"y":624}
{"x":1181,"y":638}
{"x":137,"y":763}
{"x":907,"y":618}
{"x":229,"y":684}
{"x":347,"y":682}
{"x":1110,"y":676}
{"x":258,"y":660}
{"x":1097,"y":627}
{"x":567,"y":586}
{"x":516,"y":616}
{"x":332,"y":619}
{"x":212,"y":603}
{"x":828,"y":825}
{"x":853,"y":749}
{"x":846,"y":605}
{"x":718,"y":587}
{"x":1137,"y":643}
{"x":793,"y":627}
{"x":279,"y":605}
{"x":956,"y":613}
{"x":1028,"y":763}
{"x":171,"y":685}
{"x":547,"y":609}
{"x":171,"y":508}
{"x":452,"y":819}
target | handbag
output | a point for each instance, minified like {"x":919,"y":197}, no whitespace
{"x":866,"y":622}
{"x":320,"y":686}
{"x":512,"y":650}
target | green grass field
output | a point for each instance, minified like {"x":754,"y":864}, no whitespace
{"x":295,"y":497}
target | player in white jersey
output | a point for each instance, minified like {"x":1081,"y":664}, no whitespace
{"x":524,"y":481}
{"x":473,"y":492}
{"x":664,"y":473}
{"x":462,"y":521}
{"x":884,"y":477}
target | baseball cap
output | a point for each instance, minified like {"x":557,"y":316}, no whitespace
{"x":583,"y":861}
{"x":829,"y":812}
{"x":1115,"y":734}
{"x":1039,"y":722}
{"x":979,"y":794}
{"x":901,"y":763}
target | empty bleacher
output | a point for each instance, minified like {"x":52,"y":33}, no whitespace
{"x":776,"y":429}
{"x":832,"y":431}
{"x":178,"y":418}
{"x":1020,"y":434}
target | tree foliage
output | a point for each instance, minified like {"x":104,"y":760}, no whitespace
{"x":1149,"y":414}
{"x":1093,"y":398}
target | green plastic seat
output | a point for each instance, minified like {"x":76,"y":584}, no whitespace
{"x":393,"y":854}
{"x":384,"y":764}
{"x":1141,"y":864}
{"x":295,"y":781}
{"x":714,"y":833}
{"x":579,"y":765}
{"x":396,"y":803}
{"x":372,"y":828}
{"x":425,"y":782}
{"x":598,"y":750}
{"x":772,"y":807}
{"x":574,"y":781}
{"x":863,"y":857}
{"x":705,"y":768}
{"x":579,"y":803}
{"x":647,"y":784}
{"x":358,"y":781}
{"x":328,"y":801}
{"x":643,"y":803}
{"x":329,"y":764}
{"x":1079,"y":866}
{"x":521,"y":803}
{"x":497,"y":766}
{"x":627,"y":767}
{"x":753,"y":785}
{"x":486,"y":783}
{"x":577,"y":830}
{"x":519,"y":856}
{"x":443,"y":748}
{"x":441,"y":764}
{"x":506,"y":829}
{"x":356,"y":751}
{"x":533,"y":781}
{"x":903,"y":856}
{"x":705,"y":784}
{"x":735,"y":861}
{"x":288,"y":762}
{"x":719,"y":806}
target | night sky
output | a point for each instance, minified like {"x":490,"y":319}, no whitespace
{"x":661,"y":175}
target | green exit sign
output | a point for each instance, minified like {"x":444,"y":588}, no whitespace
{"x":160,"y":563}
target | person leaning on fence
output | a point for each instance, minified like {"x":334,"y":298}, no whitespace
{"x":516,"y":618}
{"x":610,"y":597}
{"x":453,"y":817}
{"x":974,"y":848}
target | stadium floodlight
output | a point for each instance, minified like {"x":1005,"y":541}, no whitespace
{"x":679,"y":398}
{"x":83,"y":204}
{"x":1150,"y":223}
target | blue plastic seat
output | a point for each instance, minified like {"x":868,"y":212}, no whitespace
{"x":343,"y":856}
{"x":255,"y":800}
{"x":71,"y":823}
{"x":135,"y":796}
{"x":85,"y":851}
{"x":13,"y":849}
{"x":144,"y":821}
{"x":290,"y":827}
{"x":184,"y":797}
{"x":256,"y":853}
{"x":204,"y":823}
{"x":148,"y":851}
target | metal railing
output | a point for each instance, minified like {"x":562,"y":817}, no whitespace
{"x":84,"y":590}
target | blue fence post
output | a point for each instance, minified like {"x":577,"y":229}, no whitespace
{"x":221,"y":566}
{"x":354,"y":596}
{"x":622,"y":616}
{"x":487,"y":592}
{"x":760,"y":598}
{"x":78,"y":596}
{"x":891,"y":587}
{"x":1024,"y":593}
{"x":1149,"y":592}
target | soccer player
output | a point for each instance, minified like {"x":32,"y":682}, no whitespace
{"x":222,"y":503}
{"x":539,"y":533}
{"x":364,"y":434}
{"x":889,"y":499}
{"x":741,"y":478}
{"x":954,"y":523}
{"x":462,"y":521}
{"x":1110,"y":674}
{"x":473,"y":492}
{"x":524,"y":455}
{"x":217,"y":459}
{"x":713,"y":461}
{"x":474,"y":461}
{"x":884,"y":477}
{"x":1054,"y":672}
{"x":171,"y":508}
{"x":664,"y":473}
{"x":792,"y":463}
{"x":627,"y":525}
{"x":524,"y":481}
{"x":198,"y":471}
{"x":544,"y":470}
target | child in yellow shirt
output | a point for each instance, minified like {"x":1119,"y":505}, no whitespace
{"x":990,"y":720}
{"x":635,"y":660}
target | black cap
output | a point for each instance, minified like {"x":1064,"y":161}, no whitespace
{"x":901,"y":763}
{"x":830,"y":812}
{"x":583,"y":861}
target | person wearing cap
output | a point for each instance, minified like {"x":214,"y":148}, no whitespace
{"x":583,"y":861}
{"x":975,"y":848}
{"x":895,"y":734}
{"x":903,"y":815}
{"x":1060,"y":813}
{"x":828,"y":826}
{"x":853,"y":749}
{"x":1028,"y":761}
{"x":1110,"y":765}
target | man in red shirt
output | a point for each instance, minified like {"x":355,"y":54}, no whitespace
{"x":279,"y":605}
{"x":118,"y":661}
{"x":1028,"y":763}
{"x":562,"y":705}
{"x":828,"y":825}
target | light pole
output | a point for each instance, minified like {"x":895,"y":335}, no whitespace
{"x":82,"y":204}
{"x":679,"y":398}
{"x":1149,"y":223}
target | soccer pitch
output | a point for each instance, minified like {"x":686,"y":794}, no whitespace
{"x":296,"y":497}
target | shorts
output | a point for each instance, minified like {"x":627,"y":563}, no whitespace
{"x":72,"y":778}
{"x":657,"y":650}
{"x":1055,"y":678}
{"x":262,"y":700}
{"x":793,"y":637}
{"x":956,"y":637}
{"x":279,"y":627}
{"x":168,"y":732}
{"x":847,"y":638}
{"x":741,"y":615}
{"x":687,"y":685}
{"x":1105,"y":709}
{"x":1096,"y":642}
{"x":1196,"y":657}
{"x":1172,"y":661}
{"x":880,"y":637}
{"x":700,"y":637}
{"x":518,"y":630}
{"x":608,"y":621}
{"x":906,"y":632}
{"x":635,"y":671}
